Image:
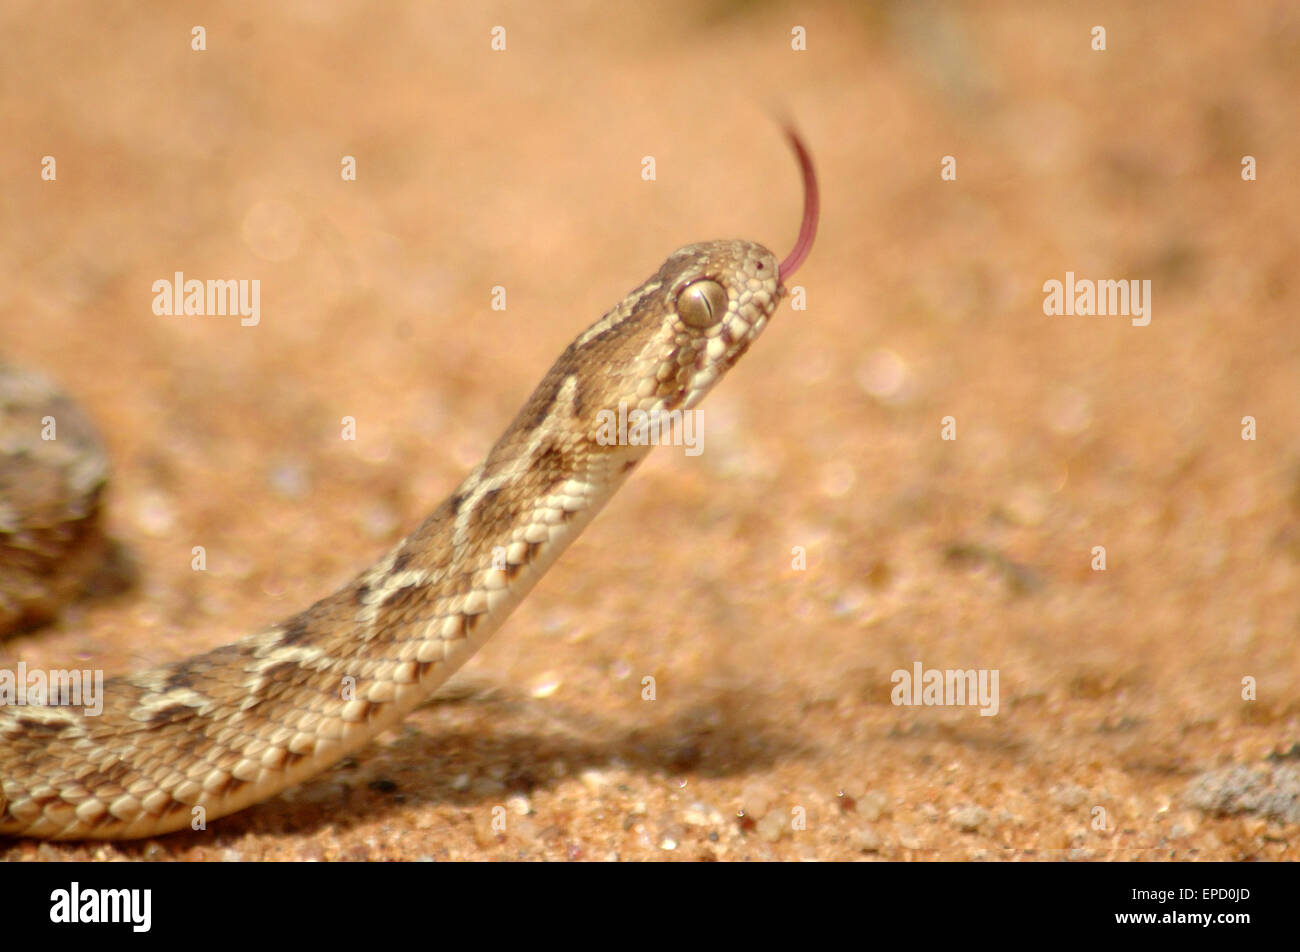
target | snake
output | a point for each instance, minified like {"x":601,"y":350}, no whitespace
{"x":204,"y":737}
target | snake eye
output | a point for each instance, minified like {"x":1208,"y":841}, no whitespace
{"x":702,"y":303}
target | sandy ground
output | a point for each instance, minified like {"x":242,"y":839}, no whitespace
{"x":1121,"y":729}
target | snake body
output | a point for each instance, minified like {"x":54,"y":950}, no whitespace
{"x":183,"y":744}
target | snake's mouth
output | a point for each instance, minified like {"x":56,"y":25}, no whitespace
{"x":811,"y":212}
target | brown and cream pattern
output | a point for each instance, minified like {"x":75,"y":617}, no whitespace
{"x":233,"y":726}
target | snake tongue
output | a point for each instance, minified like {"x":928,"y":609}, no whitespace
{"x":811,"y":209}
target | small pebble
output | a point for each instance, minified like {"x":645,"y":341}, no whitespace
{"x":772,"y":827}
{"x":1072,"y":796}
{"x":873,"y":805}
{"x":908,"y":839}
{"x":969,"y":818}
{"x":867,"y":839}
{"x":519,"y":805}
{"x":546,"y":685}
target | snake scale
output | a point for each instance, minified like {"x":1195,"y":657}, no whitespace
{"x":212,"y":734}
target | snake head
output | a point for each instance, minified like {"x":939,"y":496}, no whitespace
{"x":718,"y":296}
{"x":715,"y":298}
{"x":665,"y":345}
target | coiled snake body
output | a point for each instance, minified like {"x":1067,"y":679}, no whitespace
{"x":212,"y":734}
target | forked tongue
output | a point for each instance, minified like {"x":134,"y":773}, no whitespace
{"x":811,"y":209}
